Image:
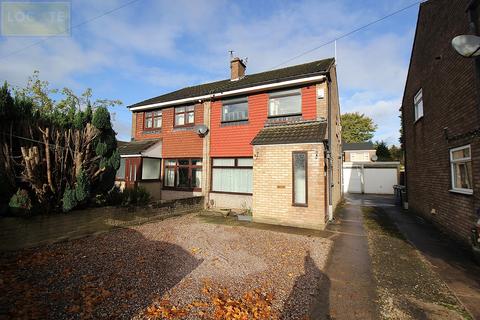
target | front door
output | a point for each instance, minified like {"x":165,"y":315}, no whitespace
{"x":132,"y":170}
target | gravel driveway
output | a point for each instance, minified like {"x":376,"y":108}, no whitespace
{"x":176,"y":268}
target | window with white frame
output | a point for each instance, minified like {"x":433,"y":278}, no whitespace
{"x":285,"y":103}
{"x":235,"y":110}
{"x":232,"y":175}
{"x":418,"y":104}
{"x":151,"y":168}
{"x":461,"y":168}
{"x":121,"y":170}
{"x":359,"y":156}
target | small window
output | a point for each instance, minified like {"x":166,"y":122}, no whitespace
{"x":151,"y":169}
{"x":235,"y":110}
{"x":299,"y":159}
{"x":461,"y":169}
{"x":418,"y":104}
{"x":184,"y":116}
{"x":285,"y":103}
{"x":153,"y":119}
{"x":121,"y":169}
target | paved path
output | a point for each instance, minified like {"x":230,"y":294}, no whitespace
{"x":453,"y":265}
{"x":352,"y":288}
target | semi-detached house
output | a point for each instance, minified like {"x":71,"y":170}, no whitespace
{"x":266,"y":142}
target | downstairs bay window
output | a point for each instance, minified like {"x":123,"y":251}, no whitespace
{"x":183,"y":174}
{"x":232,"y":175}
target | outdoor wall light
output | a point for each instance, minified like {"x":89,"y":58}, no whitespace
{"x":255,"y":155}
{"x":467,"y":45}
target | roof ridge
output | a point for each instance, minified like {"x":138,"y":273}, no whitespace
{"x":264,"y":77}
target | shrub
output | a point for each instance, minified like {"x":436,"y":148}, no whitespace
{"x":21,"y":200}
{"x":82,"y":189}
{"x":135,"y":196}
{"x":101,"y":119}
{"x":69,"y":200}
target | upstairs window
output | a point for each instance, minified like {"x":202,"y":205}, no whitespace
{"x":418,"y":104}
{"x":285,"y":103}
{"x":153,"y":119}
{"x":461,"y":169}
{"x":235,"y":110}
{"x":184,"y":116}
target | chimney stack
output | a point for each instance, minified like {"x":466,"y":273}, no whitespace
{"x":237,"y":68}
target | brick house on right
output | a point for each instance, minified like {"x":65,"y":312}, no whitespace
{"x":441,"y":120}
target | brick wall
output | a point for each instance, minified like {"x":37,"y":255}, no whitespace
{"x":234,"y":139}
{"x":450,"y":101}
{"x":336,"y":143}
{"x":177,"y":142}
{"x":272,"y":186}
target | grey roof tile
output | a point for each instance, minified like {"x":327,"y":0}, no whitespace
{"x":299,"y":132}
{"x":288,"y":73}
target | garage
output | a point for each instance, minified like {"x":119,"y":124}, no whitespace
{"x":370,"y":178}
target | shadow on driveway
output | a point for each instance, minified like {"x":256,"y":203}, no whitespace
{"x":303,"y":289}
{"x":114,"y":275}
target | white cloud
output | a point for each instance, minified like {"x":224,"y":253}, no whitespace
{"x":384,"y":113}
{"x":173,"y":44}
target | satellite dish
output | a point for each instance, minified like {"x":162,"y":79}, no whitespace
{"x":467,"y":45}
{"x":374,"y":158}
{"x":201,"y":129}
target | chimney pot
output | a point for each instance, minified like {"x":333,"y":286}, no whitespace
{"x":237,"y":68}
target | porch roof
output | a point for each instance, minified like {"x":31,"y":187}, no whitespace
{"x":298,"y":132}
{"x":136,"y":147}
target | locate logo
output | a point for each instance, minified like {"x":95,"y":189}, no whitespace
{"x":35,"y":18}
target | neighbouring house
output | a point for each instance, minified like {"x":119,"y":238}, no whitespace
{"x":441,"y":119}
{"x":269,"y":142}
{"x":362,"y":173}
{"x":358,"y":152}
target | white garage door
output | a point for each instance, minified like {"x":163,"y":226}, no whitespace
{"x":352,"y":180}
{"x":380,"y":180}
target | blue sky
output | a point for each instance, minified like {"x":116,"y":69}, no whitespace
{"x":152,"y":47}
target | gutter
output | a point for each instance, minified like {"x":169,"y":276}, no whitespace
{"x":231,"y":92}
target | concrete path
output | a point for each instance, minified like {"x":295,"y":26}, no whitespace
{"x":452,"y":264}
{"x":352,"y":288}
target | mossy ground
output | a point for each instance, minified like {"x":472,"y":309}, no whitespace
{"x":407,"y":286}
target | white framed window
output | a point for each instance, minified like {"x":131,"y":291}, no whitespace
{"x":235,"y":110}
{"x":461,"y":169}
{"x":359,"y":156}
{"x":285,"y":103}
{"x":418,"y":104}
{"x":232,"y":175}
{"x":151,"y":168}
{"x":121,"y":170}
